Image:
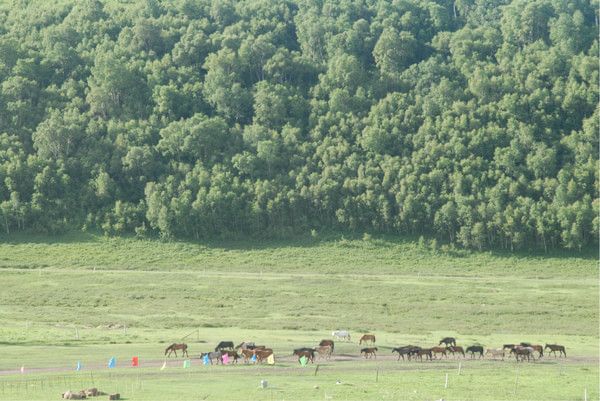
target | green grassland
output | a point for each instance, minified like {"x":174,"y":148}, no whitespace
{"x":87,"y":297}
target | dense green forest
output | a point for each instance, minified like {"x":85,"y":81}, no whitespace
{"x":471,"y":121}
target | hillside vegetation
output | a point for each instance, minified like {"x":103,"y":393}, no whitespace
{"x":471,"y":121}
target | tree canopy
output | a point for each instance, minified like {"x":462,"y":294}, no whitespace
{"x":473,"y":121}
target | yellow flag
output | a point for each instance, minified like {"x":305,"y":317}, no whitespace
{"x":164,"y":366}
{"x":271,"y":360}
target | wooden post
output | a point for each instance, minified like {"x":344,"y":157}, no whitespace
{"x":317,"y":369}
{"x":377,"y":375}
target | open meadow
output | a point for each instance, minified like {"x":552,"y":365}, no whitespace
{"x":87,"y":298}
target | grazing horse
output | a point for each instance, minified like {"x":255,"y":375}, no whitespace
{"x":367,"y":337}
{"x":522,"y":352}
{"x":174,"y":347}
{"x":247,"y":354}
{"x":369,"y":352}
{"x":327,"y":342}
{"x":556,"y":347}
{"x":218,"y":355}
{"x":475,"y":349}
{"x":262,"y":354}
{"x":341,"y":334}
{"x":439,"y":350}
{"x":405,"y":350}
{"x":508,"y":346}
{"x":308,"y":353}
{"x":231,"y":354}
{"x":495,"y":352}
{"x":224,"y":345}
{"x":539,"y":349}
{"x":324,"y":351}
{"x":423,"y":351}
{"x":448,"y":341}
{"x":456,"y":349}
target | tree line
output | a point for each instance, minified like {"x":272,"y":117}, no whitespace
{"x":474,"y":121}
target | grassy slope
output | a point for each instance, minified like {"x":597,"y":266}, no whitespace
{"x":288,"y":294}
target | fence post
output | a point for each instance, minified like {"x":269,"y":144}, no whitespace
{"x":446,"y":384}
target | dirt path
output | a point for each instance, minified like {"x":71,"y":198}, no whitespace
{"x":339,"y":362}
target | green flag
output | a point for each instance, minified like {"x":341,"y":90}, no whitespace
{"x":187,"y":363}
{"x":303,"y":360}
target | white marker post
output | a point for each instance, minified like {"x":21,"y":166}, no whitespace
{"x":446,"y":384}
{"x":585,"y":394}
{"x":459,"y":367}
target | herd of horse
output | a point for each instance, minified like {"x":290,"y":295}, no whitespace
{"x":249,"y":351}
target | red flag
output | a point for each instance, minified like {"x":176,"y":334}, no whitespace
{"x":135,"y":361}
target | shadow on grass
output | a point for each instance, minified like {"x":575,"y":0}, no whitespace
{"x":306,"y":240}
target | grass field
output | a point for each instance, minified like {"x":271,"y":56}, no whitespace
{"x":86,"y":297}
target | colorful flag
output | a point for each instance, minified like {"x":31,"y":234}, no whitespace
{"x":112,"y":363}
{"x":187,"y":363}
{"x":303,"y":360}
{"x":205,"y":360}
{"x":225,"y":359}
{"x":135,"y":361}
{"x":164,"y":366}
{"x":253,"y":359}
{"x":79,"y":366}
{"x":271,"y":360}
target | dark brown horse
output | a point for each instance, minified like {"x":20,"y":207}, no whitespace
{"x":369,"y":352}
{"x":556,"y":347}
{"x":405,"y":350}
{"x":175,"y":347}
{"x":231,"y":354}
{"x":330,"y":343}
{"x":308,"y":354}
{"x":367,"y":337}
{"x":539,"y":349}
{"x":439,"y":350}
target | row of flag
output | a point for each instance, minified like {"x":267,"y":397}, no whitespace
{"x":135,"y":362}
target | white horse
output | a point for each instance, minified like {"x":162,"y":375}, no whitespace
{"x":341,"y":334}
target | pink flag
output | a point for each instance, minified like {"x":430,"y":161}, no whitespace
{"x":22,"y":369}
{"x":135,"y":361}
{"x":225,"y":359}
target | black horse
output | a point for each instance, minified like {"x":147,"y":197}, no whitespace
{"x":473,"y":349}
{"x":448,"y":341}
{"x":407,"y":350}
{"x":224,"y":345}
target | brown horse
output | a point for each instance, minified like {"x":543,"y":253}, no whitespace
{"x":456,"y":349}
{"x":231,"y":354}
{"x":247,"y":354}
{"x":423,"y":351}
{"x":174,"y":347}
{"x":324,"y":351}
{"x":367,"y":337}
{"x":369,"y":352}
{"x":495,"y":353}
{"x":327,"y":342}
{"x":556,"y":347}
{"x":262,"y":354}
{"x":308,"y":354}
{"x":523,"y":352}
{"x":439,"y":350}
{"x":539,"y":349}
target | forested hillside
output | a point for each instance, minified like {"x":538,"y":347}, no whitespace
{"x":472,"y":121}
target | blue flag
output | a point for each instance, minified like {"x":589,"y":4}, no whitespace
{"x":112,"y":362}
{"x":79,"y":366}
{"x":253,"y":358}
{"x":205,"y":360}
